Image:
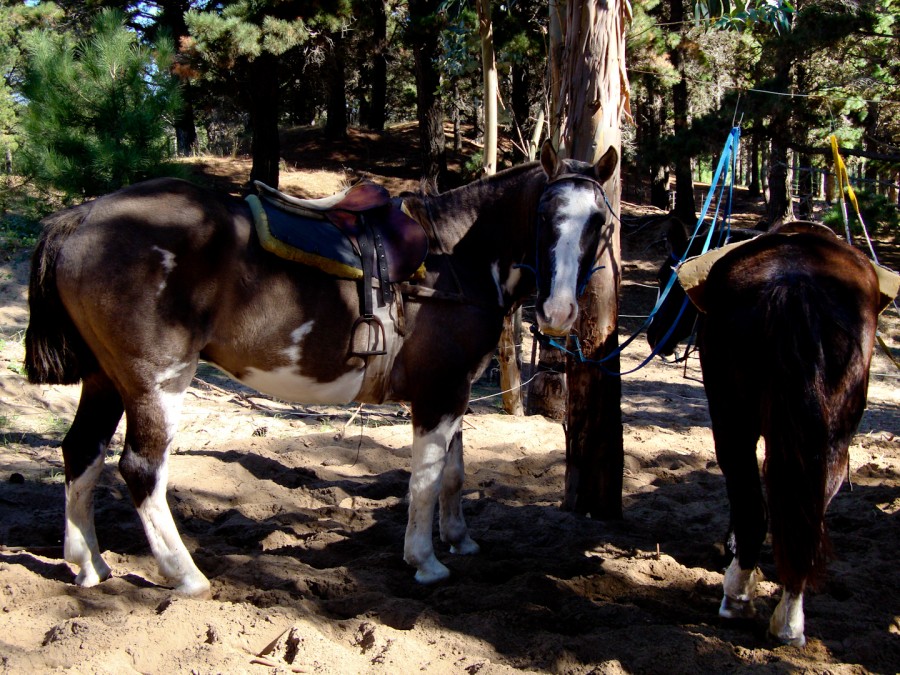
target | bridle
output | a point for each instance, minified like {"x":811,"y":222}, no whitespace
{"x":559,"y":178}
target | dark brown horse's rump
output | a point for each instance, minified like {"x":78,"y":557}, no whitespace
{"x":785,"y":336}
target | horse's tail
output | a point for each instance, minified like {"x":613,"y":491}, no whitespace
{"x":796,"y":428}
{"x":55,"y":352}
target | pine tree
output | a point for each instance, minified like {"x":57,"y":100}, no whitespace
{"x":98,"y":111}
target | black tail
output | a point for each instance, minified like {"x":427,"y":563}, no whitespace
{"x":796,"y":428}
{"x":55,"y":353}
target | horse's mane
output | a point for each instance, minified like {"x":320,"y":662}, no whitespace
{"x":426,"y":192}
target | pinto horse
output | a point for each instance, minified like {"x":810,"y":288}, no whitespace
{"x":129,"y":291}
{"x":785,"y":340}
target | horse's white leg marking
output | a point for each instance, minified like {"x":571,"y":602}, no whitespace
{"x":787,"y":620}
{"x":170,"y":552}
{"x":577,"y":205}
{"x":80,"y":547}
{"x":171,"y":555}
{"x":740,"y":588}
{"x":429,"y":456}
{"x":453,"y":524}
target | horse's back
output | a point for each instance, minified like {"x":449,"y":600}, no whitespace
{"x":781,"y":259}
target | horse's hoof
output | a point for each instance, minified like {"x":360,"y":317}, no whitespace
{"x":195,"y":588}
{"x":432,"y":573}
{"x":735,"y":608}
{"x":90,"y":576}
{"x":792,"y":641}
{"x":466,"y":547}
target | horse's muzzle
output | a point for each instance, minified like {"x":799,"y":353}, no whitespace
{"x":555,"y":317}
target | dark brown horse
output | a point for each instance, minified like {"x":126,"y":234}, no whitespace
{"x":129,"y":291}
{"x":785,"y":340}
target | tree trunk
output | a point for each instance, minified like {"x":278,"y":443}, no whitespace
{"x":378,"y":107}
{"x":510,"y":375}
{"x":336,"y":120}
{"x":805,"y":182}
{"x":456,"y":115}
{"x":510,"y":363}
{"x":592,"y":100}
{"x":171,"y":18}
{"x":547,"y":393}
{"x":685,"y":206}
{"x":651,"y":131}
{"x":424,"y":37}
{"x":489,"y":67}
{"x":779,"y":206}
{"x":753,"y":186}
{"x":263,"y":107}
{"x":521,"y":108}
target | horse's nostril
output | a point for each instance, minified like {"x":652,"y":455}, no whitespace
{"x":556,"y":317}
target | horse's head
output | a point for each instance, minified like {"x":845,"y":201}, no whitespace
{"x":572,"y":213}
{"x":668,"y":312}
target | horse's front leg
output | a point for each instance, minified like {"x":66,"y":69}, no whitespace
{"x":429,"y":458}
{"x":453,"y":523}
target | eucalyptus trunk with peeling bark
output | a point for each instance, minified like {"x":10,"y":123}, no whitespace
{"x":510,"y":374}
{"x":591,"y":98}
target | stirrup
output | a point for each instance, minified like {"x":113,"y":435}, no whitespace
{"x":370,"y":320}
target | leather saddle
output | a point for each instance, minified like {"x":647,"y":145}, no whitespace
{"x":359,"y":233}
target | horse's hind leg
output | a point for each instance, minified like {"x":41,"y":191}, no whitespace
{"x":788,"y":620}
{"x":84,"y":449}
{"x":453,"y":523}
{"x":152,"y":418}
{"x":736,"y":452}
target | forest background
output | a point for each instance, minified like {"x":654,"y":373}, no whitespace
{"x":121,"y":87}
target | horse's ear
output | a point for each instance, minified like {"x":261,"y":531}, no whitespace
{"x":549,"y":158}
{"x":606,"y":165}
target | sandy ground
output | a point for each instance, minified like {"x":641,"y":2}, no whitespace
{"x":297,"y":514}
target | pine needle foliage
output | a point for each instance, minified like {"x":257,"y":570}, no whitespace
{"x":98,"y":110}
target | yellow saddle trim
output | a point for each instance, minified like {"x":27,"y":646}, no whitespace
{"x":282,"y":250}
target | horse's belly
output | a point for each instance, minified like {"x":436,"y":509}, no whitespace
{"x":287,"y":384}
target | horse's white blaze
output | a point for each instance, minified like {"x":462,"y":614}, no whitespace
{"x":168,"y":264}
{"x":429,"y":456}
{"x":577,"y":205}
{"x":787,"y":620}
{"x":170,"y":552}
{"x":80,"y":547}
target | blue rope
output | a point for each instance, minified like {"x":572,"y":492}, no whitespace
{"x":727,"y":160}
